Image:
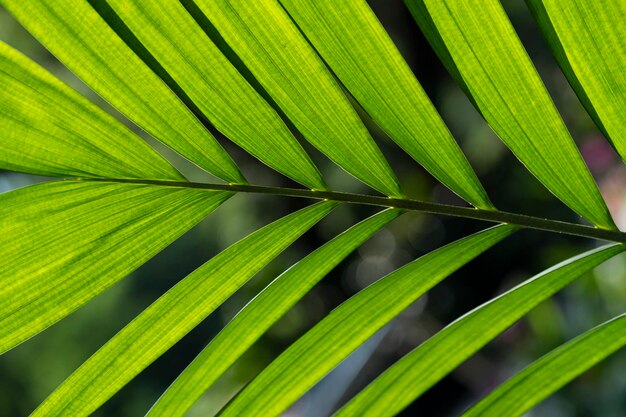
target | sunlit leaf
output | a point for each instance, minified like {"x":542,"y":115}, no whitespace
{"x":66,"y":242}
{"x":588,"y":40}
{"x":322,"y":348}
{"x":173,"y":315}
{"x":258,"y":316}
{"x":419,"y":370}
{"x":272,"y":48}
{"x":546,"y":375}
{"x":497,"y":73}
{"x":74,"y":32}
{"x":218,"y":90}
{"x":50,"y":129}
{"x":353,"y":42}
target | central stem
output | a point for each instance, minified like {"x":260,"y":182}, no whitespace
{"x":493,"y":216}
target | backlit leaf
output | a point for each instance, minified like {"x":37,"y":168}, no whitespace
{"x":499,"y":76}
{"x":323,"y":347}
{"x":173,"y":315}
{"x":74,"y":32}
{"x":352,"y":41}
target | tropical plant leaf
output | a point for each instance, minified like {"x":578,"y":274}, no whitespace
{"x":90,"y":48}
{"x":348,"y":326}
{"x":355,"y":45}
{"x":218,"y":90}
{"x":505,"y":87}
{"x":173,"y":315}
{"x":88,"y":235}
{"x":554,"y":370}
{"x":252,"y":70}
{"x":587,"y":39}
{"x":50,"y":129}
{"x":419,"y":370}
{"x":273,"y":49}
{"x":259,"y":315}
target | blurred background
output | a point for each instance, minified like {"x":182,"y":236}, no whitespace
{"x":31,"y":371}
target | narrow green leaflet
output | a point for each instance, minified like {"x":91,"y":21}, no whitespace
{"x":66,"y":242}
{"x":279,"y":57}
{"x":219,"y":91}
{"x":588,"y":39}
{"x":419,"y":370}
{"x":74,"y":32}
{"x":258,"y":316}
{"x":554,"y":370}
{"x":173,"y":315}
{"x":316,"y":353}
{"x":355,"y":45}
{"x":50,"y":129}
{"x":506,"y":88}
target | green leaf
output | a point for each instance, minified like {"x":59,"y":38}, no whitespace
{"x":419,"y":370}
{"x":587,"y":39}
{"x":50,"y":129}
{"x":505,"y":87}
{"x":287,"y":67}
{"x":259,"y":315}
{"x":546,"y":375}
{"x":218,"y":90}
{"x":322,"y":348}
{"x":173,"y":315}
{"x":74,"y":32}
{"x":356,"y":47}
{"x":66,"y":242}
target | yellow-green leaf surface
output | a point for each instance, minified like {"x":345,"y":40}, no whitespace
{"x":352,"y":41}
{"x":50,"y":129}
{"x":546,"y":375}
{"x":66,"y":242}
{"x":322,"y":348}
{"x":219,"y":91}
{"x":173,"y":315}
{"x":74,"y":32}
{"x":588,"y":39}
{"x":506,"y":88}
{"x":259,"y":315}
{"x":419,"y":370}
{"x":272,"y":48}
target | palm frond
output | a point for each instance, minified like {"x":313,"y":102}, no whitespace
{"x":587,"y":39}
{"x":348,"y":326}
{"x":365,"y":59}
{"x":87,"y":236}
{"x":260,"y":314}
{"x":92,"y":50}
{"x":257,"y":72}
{"x":546,"y":375}
{"x":274,"y":51}
{"x":419,"y":370}
{"x":507,"y":90}
{"x":173,"y":315}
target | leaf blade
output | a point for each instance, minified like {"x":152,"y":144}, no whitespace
{"x":546,"y":375}
{"x":88,"y":46}
{"x":322,"y":348}
{"x":219,"y":91}
{"x":258,"y":316}
{"x":76,"y":224}
{"x":272,"y":48}
{"x":507,"y":90}
{"x":420,"y":369}
{"x":168,"y":319}
{"x":50,"y":129}
{"x":587,"y":41}
{"x":355,"y":45}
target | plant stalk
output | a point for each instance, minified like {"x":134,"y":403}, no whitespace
{"x":493,"y":216}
